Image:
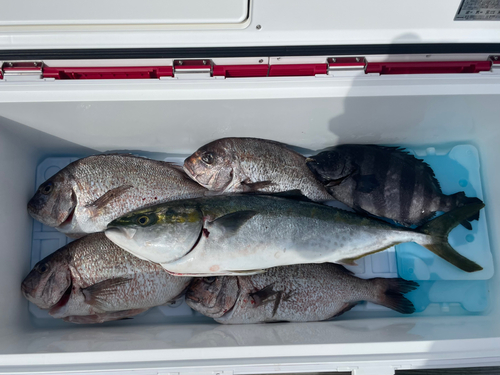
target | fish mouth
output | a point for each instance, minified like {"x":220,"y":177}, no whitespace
{"x":68,"y":219}
{"x":188,"y":170}
{"x":56,"y":309}
{"x":128,"y":233}
{"x":196,"y":176}
{"x":190,"y":295}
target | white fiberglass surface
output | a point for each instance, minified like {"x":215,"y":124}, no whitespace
{"x":224,"y":23}
{"x":56,"y":12}
{"x":304,"y":113}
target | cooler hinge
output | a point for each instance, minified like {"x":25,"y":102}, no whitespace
{"x":21,"y":70}
{"x":193,"y":69}
{"x":495,"y":64}
{"x":346,"y":66}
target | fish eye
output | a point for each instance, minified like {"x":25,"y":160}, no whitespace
{"x":145,"y":220}
{"x":47,"y":188}
{"x":43,"y":268}
{"x":142,"y":220}
{"x":210,"y":279}
{"x":207,"y":158}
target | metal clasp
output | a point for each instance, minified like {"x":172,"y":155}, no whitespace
{"x":346,"y":66}
{"x":22,"y":70}
{"x":193,"y":69}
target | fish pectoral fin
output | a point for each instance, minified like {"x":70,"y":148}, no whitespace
{"x":96,"y":295}
{"x":347,"y":262}
{"x":108,"y":197}
{"x":249,"y":186}
{"x":262,"y":296}
{"x":338,"y":181}
{"x":232,"y":222}
{"x":366,"y":183}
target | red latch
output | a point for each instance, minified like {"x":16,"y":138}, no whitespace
{"x":428,"y":67}
{"x":105,"y":72}
{"x":240,"y":71}
{"x":297,"y":70}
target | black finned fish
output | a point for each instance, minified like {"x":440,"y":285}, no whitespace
{"x":300,"y":293}
{"x":385,"y":181}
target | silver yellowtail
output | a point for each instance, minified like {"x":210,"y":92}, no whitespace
{"x":241,"y":234}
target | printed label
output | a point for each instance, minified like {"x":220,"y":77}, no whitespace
{"x":478,"y":10}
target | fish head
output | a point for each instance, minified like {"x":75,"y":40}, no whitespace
{"x":330,"y":165}
{"x":212,"y":165}
{"x":160,"y":234}
{"x":54,"y":202}
{"x":49,"y":282}
{"x":213,"y":296}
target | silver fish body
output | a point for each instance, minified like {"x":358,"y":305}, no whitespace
{"x":386,"y":182}
{"x":238,"y":165}
{"x":234,"y":235}
{"x":91,"y":192}
{"x":95,"y":278}
{"x":300,"y":293}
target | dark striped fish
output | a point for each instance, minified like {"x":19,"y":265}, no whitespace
{"x":386,"y":182}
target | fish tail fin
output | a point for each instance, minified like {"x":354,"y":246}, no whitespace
{"x":390,"y":293}
{"x":462,"y":200}
{"x":440,"y":227}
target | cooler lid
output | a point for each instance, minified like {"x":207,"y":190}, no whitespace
{"x":117,"y":12}
{"x":189,"y":24}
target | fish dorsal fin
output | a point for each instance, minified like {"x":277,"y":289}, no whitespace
{"x":403,"y":154}
{"x":232,"y":222}
{"x":97,"y":294}
{"x":108,"y":197}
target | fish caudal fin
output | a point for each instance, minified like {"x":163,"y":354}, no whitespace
{"x":390,"y":294}
{"x":440,"y":227}
{"x":462,"y":200}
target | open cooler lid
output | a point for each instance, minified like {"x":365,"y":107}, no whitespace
{"x":114,"y":12}
{"x":114,"y":24}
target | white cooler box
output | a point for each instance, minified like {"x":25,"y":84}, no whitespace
{"x":160,"y":79}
